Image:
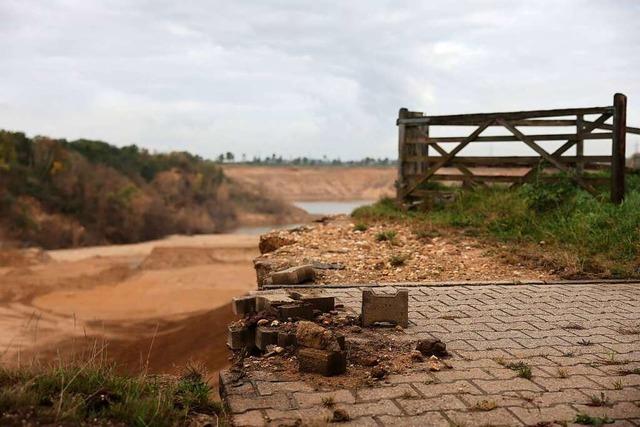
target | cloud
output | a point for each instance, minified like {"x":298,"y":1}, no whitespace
{"x":301,"y":78}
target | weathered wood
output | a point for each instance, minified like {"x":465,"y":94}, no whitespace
{"x":630,"y":129}
{"x":618,"y":148}
{"x":580,"y":144}
{"x":458,"y":119}
{"x":452,"y":153}
{"x":510,"y":161}
{"x":551,"y":159}
{"x":461,"y":168}
{"x":508,"y":178}
{"x":508,"y":138}
{"x":400,"y":185}
{"x":567,"y":145}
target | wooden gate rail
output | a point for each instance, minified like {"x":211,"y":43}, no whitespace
{"x":416,"y":167}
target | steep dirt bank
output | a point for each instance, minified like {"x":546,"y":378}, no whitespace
{"x":166,"y":301}
{"x":317,"y":183}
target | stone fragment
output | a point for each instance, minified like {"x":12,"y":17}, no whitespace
{"x":272,"y":241}
{"x":385,"y":308}
{"x":295,"y":311}
{"x":262,"y":322}
{"x":340,"y":416}
{"x":416,"y":356}
{"x":319,"y":302}
{"x":272,"y":301}
{"x":263,"y":270}
{"x":325,"y":362}
{"x":431,"y":347}
{"x":286,"y":339}
{"x":244,"y":305}
{"x":239,"y":337}
{"x":293,"y":275}
{"x":379,"y":372}
{"x":265,"y":336}
{"x":315,"y":336}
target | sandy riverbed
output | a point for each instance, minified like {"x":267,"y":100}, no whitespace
{"x":163,"y":299}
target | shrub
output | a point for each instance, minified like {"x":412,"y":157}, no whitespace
{"x":386,"y":236}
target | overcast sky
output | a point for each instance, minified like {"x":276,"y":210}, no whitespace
{"x":302,"y":77}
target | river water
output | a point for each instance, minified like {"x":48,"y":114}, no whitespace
{"x":325,"y":207}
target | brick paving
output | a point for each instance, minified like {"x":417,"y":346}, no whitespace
{"x":576,"y":338}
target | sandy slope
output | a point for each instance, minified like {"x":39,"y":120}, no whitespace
{"x":317,"y":183}
{"x":173,"y":293}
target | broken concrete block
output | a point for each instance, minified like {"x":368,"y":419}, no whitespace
{"x":293,"y":275}
{"x":385,"y":308}
{"x":266,"y":335}
{"x":296,"y":311}
{"x":240,"y":337}
{"x":286,"y":339}
{"x":311,"y":335}
{"x":272,"y":301}
{"x":244,"y":305}
{"x":432,"y":347}
{"x":319,"y":302}
{"x":325,"y":362}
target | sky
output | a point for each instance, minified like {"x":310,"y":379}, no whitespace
{"x":303,"y":78}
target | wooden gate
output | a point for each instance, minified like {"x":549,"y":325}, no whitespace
{"x":416,"y":167}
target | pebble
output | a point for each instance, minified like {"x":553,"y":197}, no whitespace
{"x":263,"y":322}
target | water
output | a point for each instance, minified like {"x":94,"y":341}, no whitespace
{"x":332,"y":207}
{"x":314,"y":208}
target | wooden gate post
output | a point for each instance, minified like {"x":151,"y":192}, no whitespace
{"x":400,"y":183}
{"x":618,"y":149}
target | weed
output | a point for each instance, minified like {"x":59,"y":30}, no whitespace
{"x":408,"y":395}
{"x":328,"y":402}
{"x":568,"y":354}
{"x":360,"y":226}
{"x":563,"y":373}
{"x":624,"y":372}
{"x":521,"y":368}
{"x":612,"y":361}
{"x":618,"y":385}
{"x":485,"y":405}
{"x":386,"y":236}
{"x":588,"y":420}
{"x":398,"y":260}
{"x":585,"y":343}
{"x":601,"y":400}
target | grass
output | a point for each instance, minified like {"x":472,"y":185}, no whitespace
{"x":360,"y":226}
{"x":398,"y":260}
{"x":563,"y":373}
{"x":584,"y":236}
{"x":95,"y":394}
{"x":328,"y":402}
{"x":586,"y":419}
{"x":386,"y":236}
{"x":521,"y":368}
{"x":601,"y":400}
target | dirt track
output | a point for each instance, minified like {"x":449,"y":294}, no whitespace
{"x":163,"y":300}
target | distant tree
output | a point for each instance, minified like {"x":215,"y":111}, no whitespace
{"x":229,"y":156}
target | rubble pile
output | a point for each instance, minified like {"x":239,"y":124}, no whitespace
{"x":309,"y":334}
{"x":338,"y":251}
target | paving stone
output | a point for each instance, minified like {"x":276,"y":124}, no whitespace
{"x":497,"y":417}
{"x":385,"y":308}
{"x":431,"y":419}
{"x":266,"y":388}
{"x":556,"y":384}
{"x":498,"y":386}
{"x":459,"y":374}
{"x":386,"y":392}
{"x":249,"y":419}
{"x":419,"y":406}
{"x":554,"y":414}
{"x":381,"y":407}
{"x":620,"y":410}
{"x":308,"y":400}
{"x":456,"y":387}
{"x":239,"y":404}
{"x":318,"y":415}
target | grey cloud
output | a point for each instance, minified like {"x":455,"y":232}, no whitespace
{"x":301,"y":78}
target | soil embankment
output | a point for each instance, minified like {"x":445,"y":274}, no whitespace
{"x":317,"y":183}
{"x":162,"y":304}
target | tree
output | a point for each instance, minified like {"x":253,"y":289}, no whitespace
{"x":229,"y":156}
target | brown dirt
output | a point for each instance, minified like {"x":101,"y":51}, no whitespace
{"x":446,"y":255}
{"x":317,"y":183}
{"x":169,"y":299}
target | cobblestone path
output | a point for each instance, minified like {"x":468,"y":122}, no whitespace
{"x":582,"y":343}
